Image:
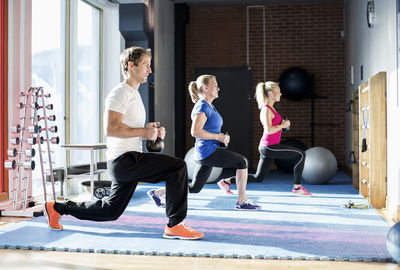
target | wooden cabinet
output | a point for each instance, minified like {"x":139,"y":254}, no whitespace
{"x":354,"y":156}
{"x":373,"y":140}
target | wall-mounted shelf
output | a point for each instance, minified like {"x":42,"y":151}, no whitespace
{"x":373,"y":140}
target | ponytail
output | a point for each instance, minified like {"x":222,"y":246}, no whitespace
{"x":194,"y":93}
{"x":260,"y":98}
{"x":262,"y":90}
{"x":196,"y":87}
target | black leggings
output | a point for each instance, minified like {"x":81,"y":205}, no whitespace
{"x":126,"y":171}
{"x":279,"y":151}
{"x":221,"y":158}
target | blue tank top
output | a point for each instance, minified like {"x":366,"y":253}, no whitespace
{"x":205,"y":148}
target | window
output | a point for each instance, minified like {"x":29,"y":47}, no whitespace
{"x":85,"y":78}
{"x":74,"y":83}
{"x":48,"y":70}
{"x":398,"y":53}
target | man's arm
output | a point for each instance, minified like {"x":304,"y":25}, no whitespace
{"x":115,"y":128}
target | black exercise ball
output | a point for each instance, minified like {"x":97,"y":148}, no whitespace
{"x":295,"y":83}
{"x":287,"y":165}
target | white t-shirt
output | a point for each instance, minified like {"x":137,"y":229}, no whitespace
{"x":127,"y":101}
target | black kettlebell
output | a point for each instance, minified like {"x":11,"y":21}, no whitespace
{"x":288,"y":128}
{"x":223,"y":145}
{"x":155,"y":146}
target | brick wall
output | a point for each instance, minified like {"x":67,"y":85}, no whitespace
{"x":305,"y":35}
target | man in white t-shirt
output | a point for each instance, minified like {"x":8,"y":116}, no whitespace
{"x":124,"y":119}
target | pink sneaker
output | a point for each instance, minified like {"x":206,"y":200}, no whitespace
{"x":301,"y":191}
{"x":225,"y":187}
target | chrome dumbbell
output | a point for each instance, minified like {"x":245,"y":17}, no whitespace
{"x":16,"y":141}
{"x":50,"y":118}
{"x":20,"y":105}
{"x":17,"y":128}
{"x":41,"y":94}
{"x":13,"y":152}
{"x":53,"y":140}
{"x":51,"y":129}
{"x":12,"y":164}
{"x":48,"y":106}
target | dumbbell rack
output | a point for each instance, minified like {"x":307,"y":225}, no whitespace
{"x":22,"y":152}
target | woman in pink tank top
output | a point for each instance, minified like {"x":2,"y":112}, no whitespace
{"x":267,"y":94}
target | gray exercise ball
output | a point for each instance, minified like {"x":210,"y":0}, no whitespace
{"x":320,"y":166}
{"x":393,"y":242}
{"x":191,"y":164}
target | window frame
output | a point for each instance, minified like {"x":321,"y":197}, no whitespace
{"x":69,"y":46}
{"x":3,"y":97}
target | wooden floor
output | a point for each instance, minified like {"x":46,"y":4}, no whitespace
{"x":18,"y":259}
{"x":11,"y":259}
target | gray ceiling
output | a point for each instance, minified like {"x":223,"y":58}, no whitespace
{"x":246,"y":2}
{"x":226,"y":2}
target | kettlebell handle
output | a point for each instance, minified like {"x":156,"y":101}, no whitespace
{"x":157,"y":126}
{"x":155,"y":145}
{"x":288,"y":128}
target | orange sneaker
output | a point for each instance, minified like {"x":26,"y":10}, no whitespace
{"x":182,"y":231}
{"x":52,"y":217}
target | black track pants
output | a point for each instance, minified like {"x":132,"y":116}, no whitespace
{"x":126,"y":171}
{"x":221,"y":158}
{"x":279,"y":151}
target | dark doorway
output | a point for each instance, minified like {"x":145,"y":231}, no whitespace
{"x":235,"y":104}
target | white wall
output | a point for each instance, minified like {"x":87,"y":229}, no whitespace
{"x":376,"y":49}
{"x":164,"y":71}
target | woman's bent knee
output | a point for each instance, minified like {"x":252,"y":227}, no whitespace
{"x":242,"y":171}
{"x":194,"y":189}
{"x":244,"y":164}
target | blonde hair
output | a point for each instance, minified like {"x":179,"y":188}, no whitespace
{"x":134,"y":54}
{"x":262,"y":90}
{"x":196,"y":87}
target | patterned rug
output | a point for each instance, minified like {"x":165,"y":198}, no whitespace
{"x":287,"y":227}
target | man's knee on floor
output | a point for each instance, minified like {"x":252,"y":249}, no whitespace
{"x":114,"y":217}
{"x":111,"y":212}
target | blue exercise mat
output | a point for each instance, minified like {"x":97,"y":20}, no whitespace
{"x":287,"y":227}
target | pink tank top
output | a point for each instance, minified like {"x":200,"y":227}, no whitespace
{"x":275,"y":138}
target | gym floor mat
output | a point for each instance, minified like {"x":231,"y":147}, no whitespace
{"x":287,"y":227}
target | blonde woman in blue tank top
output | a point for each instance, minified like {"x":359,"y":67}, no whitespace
{"x":206,"y":128}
